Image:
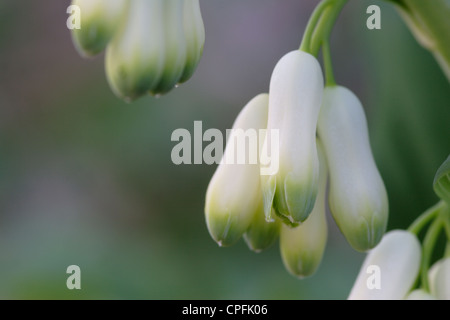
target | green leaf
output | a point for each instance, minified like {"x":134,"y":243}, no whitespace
{"x":441,"y":183}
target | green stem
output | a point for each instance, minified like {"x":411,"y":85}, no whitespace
{"x":445,"y":216}
{"x":323,"y":31}
{"x":447,"y":250}
{"x":329,"y":75}
{"x":428,"y":245}
{"x":426,"y":217}
{"x":307,"y":36}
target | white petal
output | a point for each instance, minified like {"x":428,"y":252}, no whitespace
{"x":439,"y":279}
{"x":394,"y":262}
{"x":234,"y":193}
{"x":302,"y":247}
{"x":135,"y":58}
{"x":99,"y":21}
{"x":296,"y":89}
{"x":358,"y":198}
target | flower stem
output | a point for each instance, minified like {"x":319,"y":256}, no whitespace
{"x":329,"y":75}
{"x":445,"y":215}
{"x":323,"y":30}
{"x":426,"y":217}
{"x":307,"y":36}
{"x":427,"y":250}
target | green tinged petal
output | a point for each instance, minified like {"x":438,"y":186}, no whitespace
{"x":302,"y":247}
{"x":234,"y":193}
{"x":358,"y":198}
{"x":99,"y":22}
{"x":174,"y":46}
{"x":135,"y":58}
{"x":296,"y":89}
{"x":194,"y":31}
{"x":261,"y":234}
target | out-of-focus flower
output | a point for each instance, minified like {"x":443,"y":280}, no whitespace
{"x":234,"y":194}
{"x":152,"y":45}
{"x":302,"y":247}
{"x":419,"y":294}
{"x":99,"y":21}
{"x":296,"y":89}
{"x":439,"y":279}
{"x":358,"y":198}
{"x":396,"y":260}
{"x":156,"y":49}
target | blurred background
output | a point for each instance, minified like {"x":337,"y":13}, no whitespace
{"x":87,"y":179}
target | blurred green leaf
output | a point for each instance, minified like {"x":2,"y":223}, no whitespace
{"x":441,"y":182}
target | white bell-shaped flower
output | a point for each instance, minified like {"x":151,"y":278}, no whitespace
{"x":99,"y":22}
{"x":302,"y":247}
{"x":296,"y":89}
{"x":261,"y":234}
{"x":358,"y":198}
{"x":390,"y":269}
{"x":439,"y":279}
{"x":234,"y":192}
{"x":158,"y":47}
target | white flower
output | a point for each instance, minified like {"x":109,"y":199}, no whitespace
{"x":302,"y":247}
{"x":358,"y":198}
{"x":194,"y":31}
{"x":158,"y":47}
{"x":296,"y":89}
{"x":261,"y":234}
{"x":99,"y":21}
{"x":390,"y":269}
{"x":439,"y":279}
{"x":234,"y":193}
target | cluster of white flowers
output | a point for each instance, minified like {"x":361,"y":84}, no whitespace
{"x":151,"y":45}
{"x":321,"y":130}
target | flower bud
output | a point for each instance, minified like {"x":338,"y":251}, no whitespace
{"x":234,"y":193}
{"x":358,"y":198}
{"x":390,"y":269}
{"x":99,"y":21}
{"x":439,"y":279}
{"x":302,"y":247}
{"x":158,"y":47}
{"x":261,"y":234}
{"x":195,"y":37}
{"x":296,"y":89}
{"x":175,"y":46}
{"x":419,"y":294}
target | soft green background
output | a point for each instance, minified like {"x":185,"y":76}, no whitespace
{"x":87,"y":179}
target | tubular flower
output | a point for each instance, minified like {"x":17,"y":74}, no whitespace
{"x":99,"y":21}
{"x":152,"y":45}
{"x":234,"y":195}
{"x":261,"y":234}
{"x":358,"y":198}
{"x":151,"y":53}
{"x":302,"y":247}
{"x":296,"y":89}
{"x":390,"y":269}
{"x":439,"y":279}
